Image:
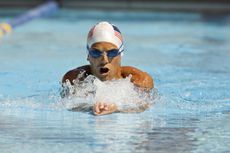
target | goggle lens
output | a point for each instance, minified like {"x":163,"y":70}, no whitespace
{"x":97,"y":53}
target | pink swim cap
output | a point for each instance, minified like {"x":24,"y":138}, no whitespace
{"x":105,"y":32}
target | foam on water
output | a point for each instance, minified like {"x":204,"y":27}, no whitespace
{"x":121,"y":92}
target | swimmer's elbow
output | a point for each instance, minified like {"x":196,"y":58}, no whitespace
{"x":147,"y":83}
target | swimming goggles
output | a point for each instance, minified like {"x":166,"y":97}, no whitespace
{"x":110,"y":53}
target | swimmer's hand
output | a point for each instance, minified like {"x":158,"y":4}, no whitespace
{"x":101,"y":108}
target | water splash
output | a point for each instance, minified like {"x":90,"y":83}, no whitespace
{"x":121,"y":92}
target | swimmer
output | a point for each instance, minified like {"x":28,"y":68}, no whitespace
{"x":105,"y":48}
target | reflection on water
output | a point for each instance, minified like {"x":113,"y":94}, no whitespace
{"x":114,"y":133}
{"x":167,"y":140}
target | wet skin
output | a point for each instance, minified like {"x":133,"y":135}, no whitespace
{"x":105,"y":68}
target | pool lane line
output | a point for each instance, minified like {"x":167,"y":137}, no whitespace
{"x":45,"y":9}
{"x":5,"y":28}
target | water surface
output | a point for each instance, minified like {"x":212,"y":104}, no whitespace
{"x":186,"y":54}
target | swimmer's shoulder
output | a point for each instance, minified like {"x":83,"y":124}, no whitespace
{"x":139,"y":78}
{"x":130,"y":70}
{"x":74,"y":73}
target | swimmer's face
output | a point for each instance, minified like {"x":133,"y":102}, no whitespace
{"x":104,"y":67}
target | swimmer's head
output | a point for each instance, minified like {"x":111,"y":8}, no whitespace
{"x":105,"y":45}
{"x":105,"y":32}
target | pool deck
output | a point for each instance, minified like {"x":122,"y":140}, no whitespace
{"x":136,"y":5}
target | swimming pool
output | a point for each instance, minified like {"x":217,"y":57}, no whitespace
{"x":187,"y":54}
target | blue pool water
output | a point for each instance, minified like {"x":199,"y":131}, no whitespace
{"x":186,"y":54}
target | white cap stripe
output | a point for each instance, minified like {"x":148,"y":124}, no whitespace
{"x":105,"y":32}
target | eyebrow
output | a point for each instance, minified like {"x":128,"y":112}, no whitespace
{"x":104,"y":49}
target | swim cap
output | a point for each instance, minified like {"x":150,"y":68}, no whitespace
{"x":104,"y":31}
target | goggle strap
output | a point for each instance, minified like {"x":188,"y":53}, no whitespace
{"x":121,"y":48}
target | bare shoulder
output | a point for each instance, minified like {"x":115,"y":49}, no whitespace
{"x":139,"y":78}
{"x":73,"y":74}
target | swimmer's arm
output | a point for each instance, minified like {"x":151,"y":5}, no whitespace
{"x":74,"y":74}
{"x":143,"y":81}
{"x":137,"y":109}
{"x":139,"y":78}
{"x":69,"y":78}
{"x":82,"y":107}
{"x":101,"y":108}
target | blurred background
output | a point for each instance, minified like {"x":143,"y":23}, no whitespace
{"x":213,"y":6}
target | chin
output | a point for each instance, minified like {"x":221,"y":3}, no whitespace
{"x":105,"y":77}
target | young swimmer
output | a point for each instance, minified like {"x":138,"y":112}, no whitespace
{"x":105,"y":46}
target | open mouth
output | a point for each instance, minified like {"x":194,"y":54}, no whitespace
{"x":104,"y":70}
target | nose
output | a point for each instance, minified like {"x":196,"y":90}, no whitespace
{"x":104,"y":58}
